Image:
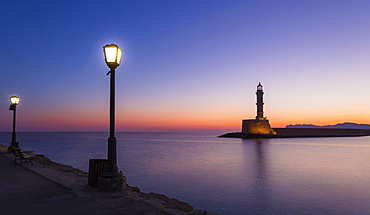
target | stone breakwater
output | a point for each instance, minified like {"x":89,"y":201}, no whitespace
{"x":301,"y":133}
{"x":129,"y":201}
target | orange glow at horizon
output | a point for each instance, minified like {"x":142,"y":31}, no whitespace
{"x":216,"y":117}
{"x":170,"y":120}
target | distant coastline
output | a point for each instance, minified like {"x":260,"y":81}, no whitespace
{"x":345,"y":125}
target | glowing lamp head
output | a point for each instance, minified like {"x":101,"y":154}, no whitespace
{"x":113,"y":55}
{"x":14,"y":100}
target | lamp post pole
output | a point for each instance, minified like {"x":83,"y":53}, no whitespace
{"x":14,"y":101}
{"x":112,"y":169}
{"x":111,"y":179}
{"x":13,"y":133}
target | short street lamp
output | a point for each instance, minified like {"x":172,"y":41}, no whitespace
{"x":111,"y":179}
{"x":14,"y":101}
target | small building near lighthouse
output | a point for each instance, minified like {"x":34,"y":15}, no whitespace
{"x":259,"y":125}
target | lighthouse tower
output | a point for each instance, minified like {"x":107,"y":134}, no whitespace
{"x":260,"y":125}
{"x":259,"y":103}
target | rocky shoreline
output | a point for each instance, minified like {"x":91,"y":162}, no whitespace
{"x":129,"y":201}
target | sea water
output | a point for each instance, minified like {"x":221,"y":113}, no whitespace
{"x":226,"y":175}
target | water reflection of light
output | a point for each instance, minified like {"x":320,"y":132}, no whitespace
{"x":258,"y":195}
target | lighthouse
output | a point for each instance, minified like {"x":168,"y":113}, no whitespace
{"x":259,"y":103}
{"x":260,"y":125}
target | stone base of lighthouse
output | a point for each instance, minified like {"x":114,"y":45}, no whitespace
{"x":257,"y":126}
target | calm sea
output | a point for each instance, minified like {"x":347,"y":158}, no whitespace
{"x":225,"y":175}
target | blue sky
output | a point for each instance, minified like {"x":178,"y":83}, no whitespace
{"x":186,"y":64}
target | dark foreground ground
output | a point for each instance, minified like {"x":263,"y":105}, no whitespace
{"x":23,"y":190}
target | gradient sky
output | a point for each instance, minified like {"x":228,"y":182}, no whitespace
{"x":191,"y":64}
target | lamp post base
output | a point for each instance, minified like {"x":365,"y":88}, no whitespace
{"x":13,"y":145}
{"x":112,"y":184}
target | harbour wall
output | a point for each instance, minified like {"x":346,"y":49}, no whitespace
{"x":318,"y":132}
{"x":301,"y":133}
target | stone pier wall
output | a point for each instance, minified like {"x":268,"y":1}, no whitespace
{"x":321,"y":132}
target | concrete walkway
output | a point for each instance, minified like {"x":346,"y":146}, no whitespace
{"x":25,"y":192}
{"x":41,"y":189}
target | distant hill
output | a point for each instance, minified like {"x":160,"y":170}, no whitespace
{"x":346,"y":125}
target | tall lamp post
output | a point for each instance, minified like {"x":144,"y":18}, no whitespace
{"x":111,"y":179}
{"x":14,"y":101}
